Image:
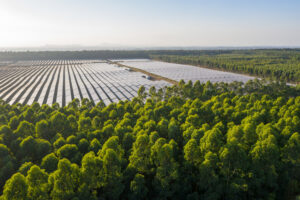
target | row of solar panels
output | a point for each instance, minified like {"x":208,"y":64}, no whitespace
{"x":63,"y":80}
{"x":52,"y":62}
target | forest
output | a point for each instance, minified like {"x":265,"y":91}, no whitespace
{"x":274,"y":64}
{"x":189,"y":141}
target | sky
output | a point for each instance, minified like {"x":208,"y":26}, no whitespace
{"x":149,"y":23}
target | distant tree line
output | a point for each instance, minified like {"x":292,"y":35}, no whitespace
{"x":46,"y":55}
{"x":189,"y":141}
{"x":278,"y":64}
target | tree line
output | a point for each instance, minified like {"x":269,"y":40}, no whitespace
{"x":188,"y":141}
{"x":76,"y":55}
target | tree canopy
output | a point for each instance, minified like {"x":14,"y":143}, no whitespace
{"x":188,"y":141}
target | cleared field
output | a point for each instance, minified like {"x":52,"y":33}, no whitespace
{"x":60,"y":81}
{"x":185,"y":72}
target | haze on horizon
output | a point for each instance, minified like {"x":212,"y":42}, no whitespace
{"x":34,"y":23}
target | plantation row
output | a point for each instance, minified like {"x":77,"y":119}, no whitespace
{"x":189,"y":141}
{"x":61,"y":81}
{"x":281,"y":65}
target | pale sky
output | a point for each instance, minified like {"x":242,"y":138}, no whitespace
{"x":28,"y":23}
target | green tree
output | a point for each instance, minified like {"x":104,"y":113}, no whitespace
{"x":43,"y":130}
{"x":167,"y":170}
{"x":95,"y":145}
{"x":192,"y":152}
{"x":49,"y":162}
{"x":25,"y":167}
{"x":14,"y":122}
{"x":211,"y":141}
{"x":142,"y":94}
{"x":16,"y":188}
{"x":138,"y":187}
{"x":85,"y":124}
{"x":7,"y":164}
{"x":65,"y":180}
{"x":69,"y":151}
{"x":29,"y":115}
{"x":91,"y":171}
{"x":37,"y":181}
{"x":28,"y":148}
{"x":25,"y":129}
{"x":112,"y":183}
{"x":58,"y":123}
{"x":7,"y":134}
{"x":83,"y":145}
{"x":140,"y":156}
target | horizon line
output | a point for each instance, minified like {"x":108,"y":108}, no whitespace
{"x":138,"y":48}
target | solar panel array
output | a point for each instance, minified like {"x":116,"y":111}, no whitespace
{"x":185,"y":72}
{"x":50,"y":81}
{"x":60,"y":81}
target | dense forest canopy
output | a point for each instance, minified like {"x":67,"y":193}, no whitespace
{"x":276,"y":64}
{"x":188,"y":141}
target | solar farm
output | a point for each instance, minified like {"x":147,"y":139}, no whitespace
{"x":60,"y":81}
{"x":185,"y":72}
{"x":47,"y":82}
